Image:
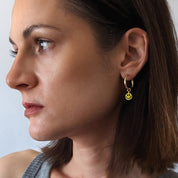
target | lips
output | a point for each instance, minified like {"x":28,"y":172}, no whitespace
{"x":32,"y":109}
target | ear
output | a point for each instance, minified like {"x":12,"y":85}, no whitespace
{"x":135,"y":45}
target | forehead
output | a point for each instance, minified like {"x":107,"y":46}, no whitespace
{"x":28,"y":12}
{"x":35,"y":8}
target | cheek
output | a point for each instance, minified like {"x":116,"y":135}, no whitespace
{"x":77,"y":89}
{"x":81,"y":89}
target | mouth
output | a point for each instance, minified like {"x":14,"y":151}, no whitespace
{"x":32,"y":109}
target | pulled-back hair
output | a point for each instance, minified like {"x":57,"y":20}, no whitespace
{"x":147,"y":130}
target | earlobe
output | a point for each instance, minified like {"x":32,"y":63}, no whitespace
{"x":136,"y":52}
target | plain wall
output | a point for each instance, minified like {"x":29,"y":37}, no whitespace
{"x":14,"y":134}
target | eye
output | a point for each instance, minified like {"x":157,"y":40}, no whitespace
{"x":43,"y":44}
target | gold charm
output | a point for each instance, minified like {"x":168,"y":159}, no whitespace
{"x":128,"y":96}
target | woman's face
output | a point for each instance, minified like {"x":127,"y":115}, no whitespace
{"x":66,"y":84}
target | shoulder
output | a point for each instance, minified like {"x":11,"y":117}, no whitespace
{"x":15,"y":164}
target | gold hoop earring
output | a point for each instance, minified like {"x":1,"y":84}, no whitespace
{"x":128,"y":95}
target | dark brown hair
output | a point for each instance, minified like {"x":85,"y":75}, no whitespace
{"x":147,"y":130}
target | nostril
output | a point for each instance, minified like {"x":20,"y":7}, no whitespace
{"x":21,"y":86}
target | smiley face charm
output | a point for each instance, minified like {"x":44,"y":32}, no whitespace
{"x":128,"y":96}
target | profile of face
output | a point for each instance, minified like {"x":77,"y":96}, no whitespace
{"x":68,"y":83}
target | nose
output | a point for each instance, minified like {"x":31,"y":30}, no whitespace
{"x":21,"y":75}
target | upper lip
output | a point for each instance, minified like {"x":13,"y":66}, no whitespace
{"x":29,"y":105}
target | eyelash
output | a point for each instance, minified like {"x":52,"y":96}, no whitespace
{"x":13,"y":53}
{"x":38,"y":42}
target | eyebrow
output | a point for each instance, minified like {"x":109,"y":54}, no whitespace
{"x":27,"y":32}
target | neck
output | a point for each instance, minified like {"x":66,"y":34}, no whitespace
{"x":93,"y":161}
{"x":92,"y":149}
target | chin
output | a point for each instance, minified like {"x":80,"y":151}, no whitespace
{"x":49,"y":131}
{"x":42,"y":137}
{"x":39,"y":134}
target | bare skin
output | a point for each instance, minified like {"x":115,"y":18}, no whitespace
{"x":63,"y":69}
{"x":15,"y":164}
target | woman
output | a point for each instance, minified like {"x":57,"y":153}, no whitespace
{"x":98,"y":79}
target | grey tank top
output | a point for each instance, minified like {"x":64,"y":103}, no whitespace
{"x":41,"y":169}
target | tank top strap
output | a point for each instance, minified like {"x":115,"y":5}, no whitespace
{"x":169,"y":174}
{"x":39,"y":168}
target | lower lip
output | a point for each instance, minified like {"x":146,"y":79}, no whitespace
{"x":33,"y":110}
